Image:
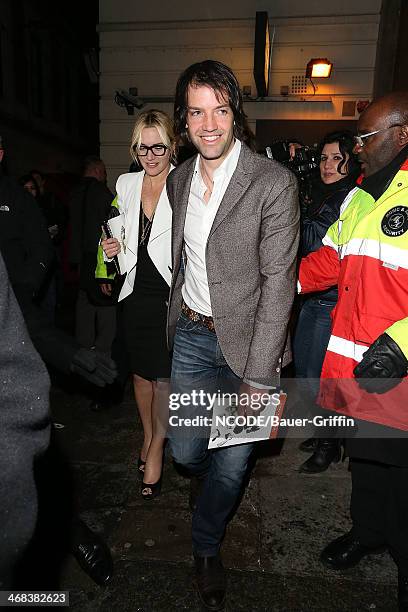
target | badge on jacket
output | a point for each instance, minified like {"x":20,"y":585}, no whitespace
{"x":395,"y":222}
{"x":4,"y":208}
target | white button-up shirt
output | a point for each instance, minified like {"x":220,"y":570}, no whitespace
{"x":199,"y":219}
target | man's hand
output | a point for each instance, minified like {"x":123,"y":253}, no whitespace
{"x":249,"y":397}
{"x":111,"y":247}
{"x":382,"y":367}
{"x":95,"y":367}
{"x":53,"y":230}
{"x":106,"y":288}
{"x":251,"y":403}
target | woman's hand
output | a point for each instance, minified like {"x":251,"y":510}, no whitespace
{"x":106,"y":288}
{"x":111,"y":247}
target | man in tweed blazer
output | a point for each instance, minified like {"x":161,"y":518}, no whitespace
{"x":235,"y":239}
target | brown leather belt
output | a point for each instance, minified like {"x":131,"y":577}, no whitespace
{"x":191,"y":314}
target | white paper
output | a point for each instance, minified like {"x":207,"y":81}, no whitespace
{"x":117,"y":227}
{"x":226,"y":434}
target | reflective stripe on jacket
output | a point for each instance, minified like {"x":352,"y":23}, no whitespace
{"x":366,"y":254}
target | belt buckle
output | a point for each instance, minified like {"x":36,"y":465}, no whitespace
{"x":197,"y":317}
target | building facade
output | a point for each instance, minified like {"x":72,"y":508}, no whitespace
{"x":145,"y":46}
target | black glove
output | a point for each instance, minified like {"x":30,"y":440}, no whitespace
{"x":95,"y":367}
{"x":382,"y":367}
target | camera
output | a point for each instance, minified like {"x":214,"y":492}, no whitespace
{"x":301,"y":160}
{"x":128,"y":101}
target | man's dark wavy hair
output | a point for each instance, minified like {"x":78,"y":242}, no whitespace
{"x":223,"y":81}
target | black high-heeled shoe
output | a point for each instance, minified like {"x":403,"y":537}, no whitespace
{"x":140,"y":466}
{"x":150,"y":491}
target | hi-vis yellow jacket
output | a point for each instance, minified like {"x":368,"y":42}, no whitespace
{"x":365,"y":253}
{"x":101,"y":272}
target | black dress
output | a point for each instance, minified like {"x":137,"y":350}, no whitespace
{"x":144,"y":314}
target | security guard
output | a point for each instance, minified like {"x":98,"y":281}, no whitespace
{"x":364,"y":372}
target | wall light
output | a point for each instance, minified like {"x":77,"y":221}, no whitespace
{"x":319,"y":68}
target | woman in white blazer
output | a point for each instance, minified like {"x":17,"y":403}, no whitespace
{"x":142,"y":198}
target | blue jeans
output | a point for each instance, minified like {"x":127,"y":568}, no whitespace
{"x":198,"y":364}
{"x":312,"y":336}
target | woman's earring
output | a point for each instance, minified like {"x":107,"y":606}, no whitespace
{"x":186,"y":126}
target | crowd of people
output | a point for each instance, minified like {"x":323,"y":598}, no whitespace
{"x":213,"y":252}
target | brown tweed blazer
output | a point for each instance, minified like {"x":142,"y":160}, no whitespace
{"x":251,"y":263}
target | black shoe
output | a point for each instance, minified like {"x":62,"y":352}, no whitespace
{"x":402,"y":593}
{"x":309,"y":445}
{"x":346,"y":551}
{"x":92,"y":554}
{"x":150,"y":491}
{"x":211,"y":581}
{"x":196,"y":485}
{"x":327,"y":451}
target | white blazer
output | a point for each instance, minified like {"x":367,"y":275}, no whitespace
{"x":129,"y":191}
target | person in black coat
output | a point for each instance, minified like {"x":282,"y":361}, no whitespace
{"x":29,"y":257}
{"x":338,"y":173}
{"x":90,"y":205}
{"x":24,"y":431}
{"x":24,"y":240}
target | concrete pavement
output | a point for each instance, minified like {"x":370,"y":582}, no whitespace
{"x":272,"y":545}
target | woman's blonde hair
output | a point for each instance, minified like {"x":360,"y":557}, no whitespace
{"x":164,"y":125}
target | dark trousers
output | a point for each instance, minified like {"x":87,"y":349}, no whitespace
{"x":379,"y":507}
{"x":311,"y":339}
{"x":95,"y":326}
{"x":312,"y":336}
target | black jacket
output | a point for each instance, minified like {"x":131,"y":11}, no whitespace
{"x":54,"y":215}
{"x":24,"y":241}
{"x":321,"y":214}
{"x":56,"y":348}
{"x":90,"y":204}
{"x":29,"y":255}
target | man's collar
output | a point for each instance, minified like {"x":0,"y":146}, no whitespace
{"x":230,"y":162}
{"x":378,"y":182}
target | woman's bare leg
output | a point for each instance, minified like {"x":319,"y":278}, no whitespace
{"x":160,"y":413}
{"x":143,"y":390}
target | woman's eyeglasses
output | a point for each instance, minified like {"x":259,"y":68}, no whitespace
{"x":158,"y":149}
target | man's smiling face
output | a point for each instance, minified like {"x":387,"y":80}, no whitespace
{"x":210,"y":122}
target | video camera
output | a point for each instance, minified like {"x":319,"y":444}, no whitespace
{"x":302,"y":160}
